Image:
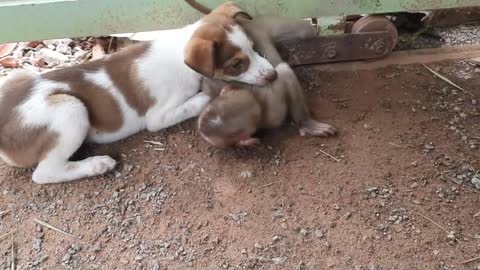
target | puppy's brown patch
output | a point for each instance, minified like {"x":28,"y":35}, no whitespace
{"x":104,"y":111}
{"x":125,"y":77}
{"x":223,"y":58}
{"x":21,"y":146}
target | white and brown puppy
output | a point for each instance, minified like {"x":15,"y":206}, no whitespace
{"x":237,"y":111}
{"x":45,"y":118}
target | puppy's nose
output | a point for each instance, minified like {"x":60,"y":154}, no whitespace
{"x":271,"y":76}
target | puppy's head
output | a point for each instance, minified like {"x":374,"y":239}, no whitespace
{"x":220,"y":49}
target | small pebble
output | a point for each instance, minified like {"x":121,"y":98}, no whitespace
{"x":279,"y":260}
{"x":318,"y":233}
{"x":327,"y":245}
{"x":276,"y":238}
{"x":367,"y":126}
{"x":476,"y":181}
{"x":66,"y":258}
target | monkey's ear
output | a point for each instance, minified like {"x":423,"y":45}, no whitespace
{"x":233,"y":11}
{"x":200,"y":56}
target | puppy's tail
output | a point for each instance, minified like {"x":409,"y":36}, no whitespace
{"x":203,"y":9}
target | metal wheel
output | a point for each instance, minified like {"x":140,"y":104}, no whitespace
{"x":373,"y":23}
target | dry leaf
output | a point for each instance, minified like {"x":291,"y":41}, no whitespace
{"x":6,"y":49}
{"x":97,"y":52}
{"x":9,"y":62}
{"x":33,"y":44}
{"x":40,"y":63}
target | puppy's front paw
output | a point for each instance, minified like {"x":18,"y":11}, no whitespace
{"x":100,"y":164}
{"x":199,"y":102}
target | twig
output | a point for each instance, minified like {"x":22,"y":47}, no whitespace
{"x":3,"y":213}
{"x":341,"y":99}
{"x":477,"y":215}
{"x":153,"y":142}
{"x":438,"y":225}
{"x":187,"y":168}
{"x":471,"y":260}
{"x":394,"y":144}
{"x":269,"y":184}
{"x":53,"y":228}
{"x":448,"y":81}
{"x":110,"y":45}
{"x":7,"y":234}
{"x":328,"y":155}
{"x":13,"y":266}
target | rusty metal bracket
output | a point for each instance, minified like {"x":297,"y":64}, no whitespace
{"x":339,"y":48}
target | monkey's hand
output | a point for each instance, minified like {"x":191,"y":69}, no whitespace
{"x":316,"y":128}
{"x":249,"y":142}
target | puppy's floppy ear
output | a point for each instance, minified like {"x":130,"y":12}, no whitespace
{"x":200,"y":56}
{"x":233,"y":11}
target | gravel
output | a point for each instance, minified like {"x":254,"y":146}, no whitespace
{"x":476,"y":181}
{"x":279,"y":260}
{"x":441,"y":37}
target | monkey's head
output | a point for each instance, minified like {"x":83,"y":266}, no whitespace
{"x":231,"y":118}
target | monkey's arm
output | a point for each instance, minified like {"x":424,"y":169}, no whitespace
{"x":265,"y":31}
{"x":297,"y":106}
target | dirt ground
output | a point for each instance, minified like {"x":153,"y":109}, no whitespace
{"x":403,"y":166}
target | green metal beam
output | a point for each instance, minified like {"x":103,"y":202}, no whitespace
{"x":22,"y":20}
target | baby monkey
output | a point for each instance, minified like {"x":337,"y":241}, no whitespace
{"x":234,"y":116}
{"x":238,"y":110}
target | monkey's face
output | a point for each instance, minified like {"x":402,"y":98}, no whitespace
{"x":229,"y":131}
{"x":227,"y":141}
{"x":230,"y":119}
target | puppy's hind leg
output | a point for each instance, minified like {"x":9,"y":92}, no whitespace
{"x":69,"y":121}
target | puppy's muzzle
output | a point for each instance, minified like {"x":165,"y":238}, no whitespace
{"x":271,"y":76}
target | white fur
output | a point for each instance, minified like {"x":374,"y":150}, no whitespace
{"x":35,"y":111}
{"x":162,"y":70}
{"x":259,"y":66}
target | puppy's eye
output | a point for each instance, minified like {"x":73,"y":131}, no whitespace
{"x":236,"y":63}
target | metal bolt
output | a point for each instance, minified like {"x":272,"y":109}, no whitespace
{"x":379,"y":46}
{"x":331,"y":53}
